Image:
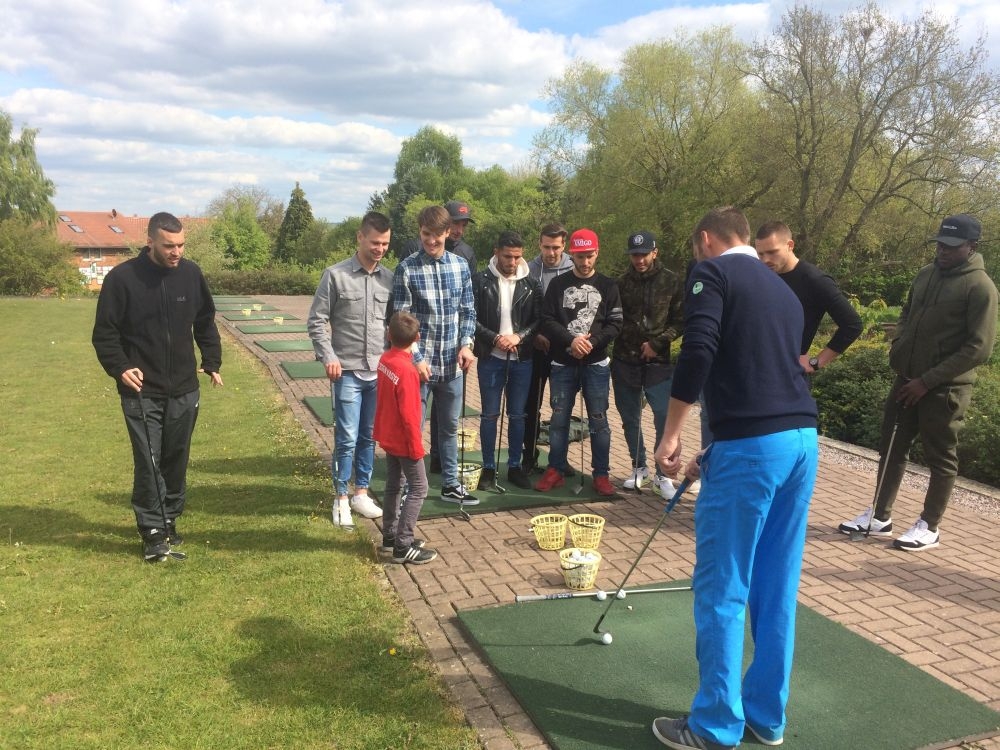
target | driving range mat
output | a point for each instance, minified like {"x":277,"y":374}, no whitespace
{"x":273,"y":328}
{"x":286,"y":345}
{"x":491,"y":501}
{"x":238,"y":315}
{"x":582,"y":695}
{"x":322,"y":408}
{"x":301,"y":370}
{"x":230,"y":306}
{"x":233,"y":298}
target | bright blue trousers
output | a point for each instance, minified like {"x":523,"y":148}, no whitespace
{"x":750,"y":529}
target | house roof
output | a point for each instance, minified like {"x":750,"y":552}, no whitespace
{"x":103,"y":229}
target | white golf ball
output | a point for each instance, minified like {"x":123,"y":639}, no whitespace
{"x":621,"y":593}
{"x":601,"y":596}
{"x":606,"y":639}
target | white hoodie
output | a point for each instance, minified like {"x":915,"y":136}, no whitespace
{"x":506,"y":295}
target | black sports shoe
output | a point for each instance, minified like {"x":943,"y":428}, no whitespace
{"x":175,"y":538}
{"x":389,"y":544}
{"x":519,"y":477}
{"x":458,"y":495}
{"x":486,"y":478}
{"x":413,"y":555}
{"x":155,"y":548}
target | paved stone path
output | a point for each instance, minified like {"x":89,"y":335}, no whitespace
{"x":939,"y":610}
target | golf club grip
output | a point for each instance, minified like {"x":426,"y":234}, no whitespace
{"x":681,"y":489}
{"x":545,"y":597}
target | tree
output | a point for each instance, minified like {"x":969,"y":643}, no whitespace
{"x":32,"y":260}
{"x":297,"y":222}
{"x":25,"y":191}
{"x":655,"y":143}
{"x":877,"y":128}
{"x":269,"y":210}
{"x":241,"y":238}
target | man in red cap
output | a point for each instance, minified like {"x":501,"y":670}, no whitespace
{"x":581,"y":316}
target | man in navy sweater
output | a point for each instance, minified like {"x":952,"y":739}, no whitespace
{"x":742,"y":331}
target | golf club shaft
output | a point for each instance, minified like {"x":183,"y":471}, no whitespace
{"x":638,"y":430}
{"x":496,"y":451}
{"x":663,"y":517}
{"x":580,"y":594}
{"x":579,"y":486}
{"x":883,"y":465}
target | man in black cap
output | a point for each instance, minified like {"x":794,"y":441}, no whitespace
{"x":653,"y":308}
{"x":460,"y":218}
{"x":946,"y":329}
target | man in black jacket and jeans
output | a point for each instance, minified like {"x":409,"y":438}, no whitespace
{"x":508,"y":301}
{"x":148,"y":308}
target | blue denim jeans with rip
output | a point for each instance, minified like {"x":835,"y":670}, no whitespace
{"x":564,"y":383}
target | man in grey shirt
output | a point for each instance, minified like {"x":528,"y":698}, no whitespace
{"x":347,"y":328}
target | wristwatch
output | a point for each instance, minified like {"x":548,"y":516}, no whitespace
{"x":814,"y":362}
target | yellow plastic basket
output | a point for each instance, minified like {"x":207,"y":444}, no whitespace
{"x":585,"y":530}
{"x":468,"y":474}
{"x":467,"y":439}
{"x":550,"y":530}
{"x":579,"y":567}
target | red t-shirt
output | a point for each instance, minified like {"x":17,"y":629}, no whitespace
{"x":398,"y":410}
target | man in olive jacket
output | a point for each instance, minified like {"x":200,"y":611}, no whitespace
{"x":946,"y":329}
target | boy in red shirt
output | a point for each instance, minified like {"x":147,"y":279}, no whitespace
{"x":398,"y":422}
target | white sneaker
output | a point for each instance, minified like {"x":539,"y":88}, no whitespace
{"x":919,"y":537}
{"x":860,"y":523}
{"x":342,"y":514}
{"x":363,"y":505}
{"x":665,"y":487}
{"x":639,"y":475}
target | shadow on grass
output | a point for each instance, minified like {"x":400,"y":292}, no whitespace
{"x":239,"y":500}
{"x":47,"y":526}
{"x":279,"y":467}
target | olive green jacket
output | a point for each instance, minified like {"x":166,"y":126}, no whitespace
{"x":947,"y":326}
{"x":653,"y":306}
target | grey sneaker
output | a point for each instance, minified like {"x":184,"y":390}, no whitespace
{"x":413,"y":555}
{"x":918,"y":537}
{"x":389,"y":544}
{"x":155,"y":548}
{"x":677,"y":734}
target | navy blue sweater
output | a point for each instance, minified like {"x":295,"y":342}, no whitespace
{"x":742,"y":330}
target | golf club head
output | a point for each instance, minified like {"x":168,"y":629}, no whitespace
{"x":177,"y":555}
{"x":498,"y":488}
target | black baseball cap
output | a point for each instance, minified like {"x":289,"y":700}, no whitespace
{"x":459,"y":211}
{"x":641,"y":242}
{"x":958,"y":229}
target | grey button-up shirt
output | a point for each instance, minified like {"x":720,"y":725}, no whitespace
{"x":347,"y":317}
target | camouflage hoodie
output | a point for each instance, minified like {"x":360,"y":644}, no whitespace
{"x":652,"y":303}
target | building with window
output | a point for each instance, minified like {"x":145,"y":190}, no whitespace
{"x":101,"y":239}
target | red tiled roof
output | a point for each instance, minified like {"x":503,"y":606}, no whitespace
{"x":96,"y":229}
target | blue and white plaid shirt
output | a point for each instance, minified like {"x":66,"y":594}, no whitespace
{"x":438,"y":292}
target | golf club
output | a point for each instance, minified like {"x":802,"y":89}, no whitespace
{"x":579,"y":485}
{"x":599,"y":595}
{"x":857,"y":535}
{"x":496,"y":449}
{"x":538,"y":420}
{"x":638,"y":429}
{"x":156,"y":480}
{"x":461,"y":461}
{"x":663,"y":517}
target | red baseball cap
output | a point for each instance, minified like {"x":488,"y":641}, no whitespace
{"x":583,"y":241}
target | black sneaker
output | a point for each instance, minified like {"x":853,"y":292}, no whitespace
{"x":175,"y":538}
{"x":413,"y":555}
{"x":519,"y":477}
{"x":435,"y":465}
{"x":487,"y":478}
{"x":155,"y":548}
{"x":458,"y":495}
{"x":389,"y":544}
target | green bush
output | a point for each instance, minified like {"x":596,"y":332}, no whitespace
{"x":273,"y":280}
{"x":850,"y":392}
{"x":33,"y":261}
{"x":978,"y":457}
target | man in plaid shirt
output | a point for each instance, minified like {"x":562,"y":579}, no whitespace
{"x":435,"y":287}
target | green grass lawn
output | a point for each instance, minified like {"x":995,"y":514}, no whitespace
{"x":280,"y":631}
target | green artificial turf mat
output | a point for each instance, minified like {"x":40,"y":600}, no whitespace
{"x":286,"y":345}
{"x":232,"y":298}
{"x":230,"y":306}
{"x":237,"y":315}
{"x":491,"y":501}
{"x":273,"y":328}
{"x":321,"y":407}
{"x":300,"y":370}
{"x":846,"y":692}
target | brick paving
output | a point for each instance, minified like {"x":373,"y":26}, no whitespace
{"x":939,"y":610}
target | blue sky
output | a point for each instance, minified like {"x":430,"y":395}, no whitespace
{"x":152,"y":105}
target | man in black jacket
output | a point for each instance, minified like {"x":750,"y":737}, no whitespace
{"x":148,"y":308}
{"x":508,"y":301}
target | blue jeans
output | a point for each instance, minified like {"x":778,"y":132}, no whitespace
{"x":447,"y":397}
{"x":564,"y":384}
{"x":491,"y":371}
{"x":750,"y":528}
{"x":354,"y":417}
{"x":629,"y":403}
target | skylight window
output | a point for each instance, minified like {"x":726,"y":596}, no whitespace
{"x":116,"y":229}
{"x":64,"y":217}
{"x":76,"y":228}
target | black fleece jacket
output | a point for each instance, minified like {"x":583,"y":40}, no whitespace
{"x":145,"y":318}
